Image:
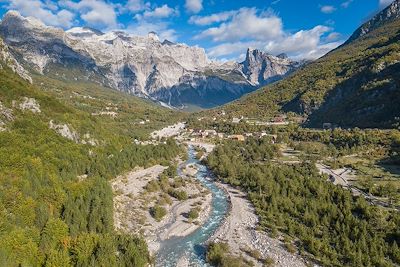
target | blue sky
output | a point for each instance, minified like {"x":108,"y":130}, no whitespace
{"x":225,"y":28}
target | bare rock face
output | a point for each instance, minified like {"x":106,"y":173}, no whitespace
{"x":30,"y":104}
{"x":65,"y":131}
{"x":6,"y":115}
{"x":261,"y":68}
{"x":173,"y":73}
{"x":8,"y":60}
{"x":390,"y":13}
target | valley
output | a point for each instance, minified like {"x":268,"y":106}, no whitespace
{"x":276,"y":144}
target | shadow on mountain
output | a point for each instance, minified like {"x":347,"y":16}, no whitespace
{"x":365,"y":100}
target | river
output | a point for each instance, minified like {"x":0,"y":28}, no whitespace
{"x":192,"y":247}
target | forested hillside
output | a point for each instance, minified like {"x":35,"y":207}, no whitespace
{"x":359,"y":78}
{"x":59,"y":145}
{"x":318,"y":219}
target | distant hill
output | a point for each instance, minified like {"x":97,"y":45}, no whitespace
{"x":356,"y":85}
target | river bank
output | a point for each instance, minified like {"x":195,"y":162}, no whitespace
{"x":226,"y":215}
{"x":132,"y":203}
{"x":239,"y":231}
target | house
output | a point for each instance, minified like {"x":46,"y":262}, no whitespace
{"x":237,"y":137}
{"x":221,"y":135}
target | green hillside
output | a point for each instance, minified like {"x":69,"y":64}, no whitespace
{"x":355,"y":85}
{"x":56,"y":204}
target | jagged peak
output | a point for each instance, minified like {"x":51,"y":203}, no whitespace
{"x":84,"y":30}
{"x":167,"y":42}
{"x":283,"y":56}
{"x":13,"y":15}
{"x":153,"y":35}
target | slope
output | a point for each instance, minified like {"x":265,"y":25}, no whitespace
{"x":360,"y":78}
{"x":59,"y":144}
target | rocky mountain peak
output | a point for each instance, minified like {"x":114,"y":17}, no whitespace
{"x":283,"y":56}
{"x":141,"y":65}
{"x":261,"y":68}
{"x":390,"y":13}
{"x":84,"y":32}
{"x":14,"y":18}
{"x":153,"y":36}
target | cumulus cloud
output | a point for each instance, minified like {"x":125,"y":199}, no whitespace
{"x":161,"y":12}
{"x":328,"y":9}
{"x":47,"y":12}
{"x":155,"y":19}
{"x":161,"y":28}
{"x":346,"y":4}
{"x":301,"y":43}
{"x":246,"y":23}
{"x":135,"y":6}
{"x":213,"y":18}
{"x":96,"y":13}
{"x":333,"y":36}
{"x":250,"y":28}
{"x":230,"y":49}
{"x":194,"y":6}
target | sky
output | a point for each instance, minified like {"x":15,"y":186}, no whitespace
{"x":224,"y":28}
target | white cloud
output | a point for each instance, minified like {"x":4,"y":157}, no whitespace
{"x":47,"y":12}
{"x":161,"y":28}
{"x":213,"y":18}
{"x":248,"y":27}
{"x":135,"y":6}
{"x":155,"y":20}
{"x":384,"y":3}
{"x":304,"y":44}
{"x":229,"y":49}
{"x":246,"y":24}
{"x":194,"y":6}
{"x":161,"y":12}
{"x":328,"y":9}
{"x":333,"y":36}
{"x":346,"y":4}
{"x":96,"y":13}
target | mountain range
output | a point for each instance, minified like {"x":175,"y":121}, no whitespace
{"x":355,"y":85}
{"x":174,"y":74}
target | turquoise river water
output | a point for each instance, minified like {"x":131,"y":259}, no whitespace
{"x":192,"y":246}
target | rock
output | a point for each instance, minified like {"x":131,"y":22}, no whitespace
{"x":172,"y":73}
{"x":30,"y":104}
{"x":6,"y":115}
{"x":390,"y":13}
{"x":261,"y":68}
{"x":8,"y":60}
{"x":65,"y":131}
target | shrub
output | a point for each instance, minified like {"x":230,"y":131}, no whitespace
{"x":178,"y":194}
{"x":158,"y":212}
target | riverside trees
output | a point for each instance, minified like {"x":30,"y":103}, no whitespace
{"x":337,"y":228}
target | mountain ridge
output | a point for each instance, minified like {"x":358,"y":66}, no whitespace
{"x":140,"y":65}
{"x":389,"y":13}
